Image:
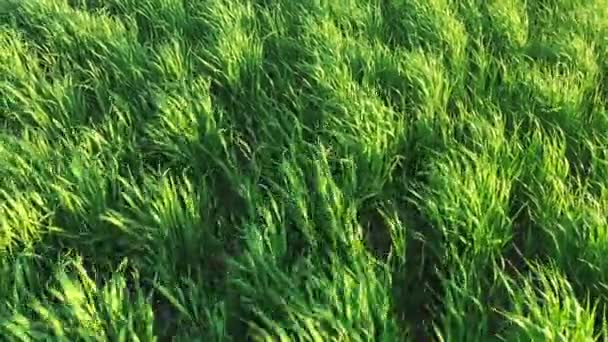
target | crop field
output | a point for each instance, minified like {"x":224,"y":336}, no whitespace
{"x":304,"y":170}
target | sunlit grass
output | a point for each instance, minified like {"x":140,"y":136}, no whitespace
{"x":384,"y":170}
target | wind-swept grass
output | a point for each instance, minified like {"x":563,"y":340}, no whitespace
{"x":384,"y":170}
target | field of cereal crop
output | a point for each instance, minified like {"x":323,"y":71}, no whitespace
{"x":310,"y":170}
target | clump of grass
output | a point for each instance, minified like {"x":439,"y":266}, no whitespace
{"x":312,"y":170}
{"x":545,"y":307}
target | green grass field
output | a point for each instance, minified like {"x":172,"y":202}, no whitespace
{"x":306,"y":170}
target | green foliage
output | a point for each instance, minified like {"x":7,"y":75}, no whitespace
{"x":365,"y":170}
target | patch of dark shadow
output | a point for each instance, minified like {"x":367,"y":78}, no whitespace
{"x":220,"y":91}
{"x":360,"y":69}
{"x":13,"y":125}
{"x":236,"y":323}
{"x":297,"y":11}
{"x":515,"y":255}
{"x":395,"y":88}
{"x":132,"y":166}
{"x":107,"y":248}
{"x":533,"y":111}
{"x":586,"y":280}
{"x":602,"y":82}
{"x":48,"y":63}
{"x":33,"y":35}
{"x":418,"y":150}
{"x":305,"y":241}
{"x":89,"y":103}
{"x":166,"y":318}
{"x":465,"y":137}
{"x":396,"y":92}
{"x":155,"y":157}
{"x":205,"y":253}
{"x":281,"y":92}
{"x":142,"y":101}
{"x":513,"y":262}
{"x":151,"y":155}
{"x":601,"y":317}
{"x":376,"y":233}
{"x":215,"y":264}
{"x":101,"y":272}
{"x":496,"y":299}
{"x":139,"y":280}
{"x":312,"y":117}
{"x":240,"y":114}
{"x":275,"y":83}
{"x":510,"y":99}
{"x":193,"y":28}
{"x":597,"y":295}
{"x":404,"y":26}
{"x":36,"y":265}
{"x":262,"y":6}
{"x":543,"y":52}
{"x":586,"y":271}
{"x":417,"y":284}
{"x":579,"y":159}
{"x":524,"y":244}
{"x":148,"y":30}
{"x":284,"y":66}
{"x":477,"y":80}
{"x":470,"y":14}
{"x":539,"y":14}
{"x":227,"y":216}
{"x":94,"y":6}
{"x":495,"y":295}
{"x":298,"y":246}
{"x":231,"y":203}
{"x":7,"y":9}
{"x":484,"y":30}
{"x":482,"y":270}
{"x":101,"y":253}
{"x":243,"y":311}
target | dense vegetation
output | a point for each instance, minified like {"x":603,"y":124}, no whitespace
{"x":311,"y":170}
